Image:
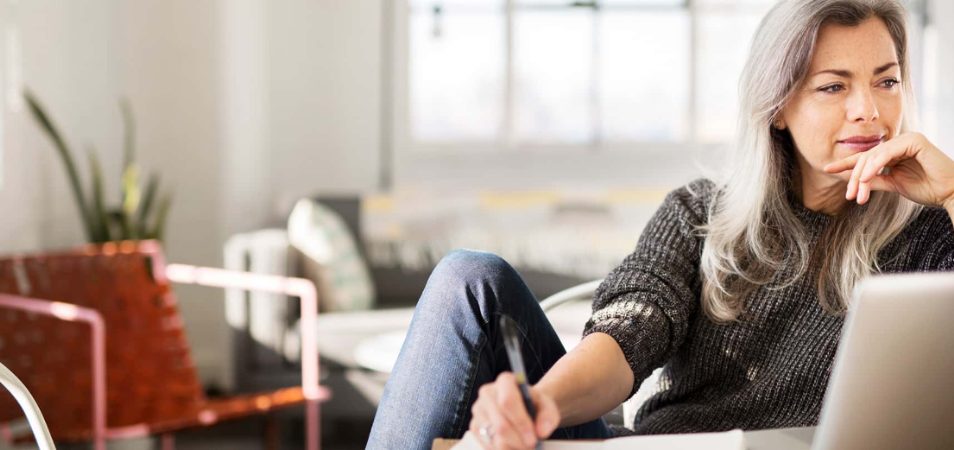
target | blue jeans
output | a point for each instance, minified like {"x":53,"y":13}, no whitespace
{"x":453,"y":347}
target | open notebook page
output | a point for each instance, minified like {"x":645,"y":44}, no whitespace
{"x":728,"y":440}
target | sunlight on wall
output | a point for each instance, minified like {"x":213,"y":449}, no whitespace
{"x":10,"y":74}
{"x":3,"y":86}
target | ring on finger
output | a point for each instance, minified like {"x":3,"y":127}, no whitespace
{"x":486,"y":432}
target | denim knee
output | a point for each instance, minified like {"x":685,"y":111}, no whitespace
{"x":474,"y":267}
{"x":470,"y":275}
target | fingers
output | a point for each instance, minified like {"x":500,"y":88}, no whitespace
{"x":886,"y":159}
{"x":843,"y":164}
{"x":864,"y":193}
{"x":919,"y":171}
{"x":872,"y":175}
{"x":548,"y":415}
{"x":867,"y":167}
{"x":853,"y":184}
{"x":888,"y":152}
{"x":511,"y":405}
{"x":874,"y":166}
{"x":500,"y":406}
{"x":479,"y":419}
{"x":878,"y":183}
{"x":500,"y":434}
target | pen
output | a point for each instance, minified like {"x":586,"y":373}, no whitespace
{"x":509,"y":329}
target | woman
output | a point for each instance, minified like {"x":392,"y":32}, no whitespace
{"x":737,"y":287}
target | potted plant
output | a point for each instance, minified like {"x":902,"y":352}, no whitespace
{"x":141,"y":212}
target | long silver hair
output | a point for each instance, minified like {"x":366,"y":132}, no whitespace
{"x":753,"y":234}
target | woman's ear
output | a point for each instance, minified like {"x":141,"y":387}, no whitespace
{"x":778,"y":124}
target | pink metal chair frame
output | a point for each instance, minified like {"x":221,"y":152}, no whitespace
{"x":202,"y":276}
{"x":73,"y":313}
{"x":296,"y":287}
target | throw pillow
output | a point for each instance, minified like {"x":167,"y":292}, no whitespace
{"x":330,"y":257}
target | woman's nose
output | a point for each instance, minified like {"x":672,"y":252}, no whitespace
{"x":861,"y":106}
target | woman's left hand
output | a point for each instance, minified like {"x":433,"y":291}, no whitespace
{"x":914,"y":168}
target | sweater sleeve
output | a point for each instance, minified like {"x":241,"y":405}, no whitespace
{"x":646,"y":302}
{"x":936,"y":239}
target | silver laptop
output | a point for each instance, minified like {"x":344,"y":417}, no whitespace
{"x":892,"y":386}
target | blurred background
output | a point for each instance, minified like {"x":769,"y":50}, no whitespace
{"x":544,"y":130}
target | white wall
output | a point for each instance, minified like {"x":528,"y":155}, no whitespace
{"x":171,"y":65}
{"x":21,"y":193}
{"x":244,"y":111}
{"x":942,"y":105}
{"x":239,"y":104}
{"x":70,"y":65}
{"x":324,"y":91}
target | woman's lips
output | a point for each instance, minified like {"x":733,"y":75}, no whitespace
{"x":861,"y":144}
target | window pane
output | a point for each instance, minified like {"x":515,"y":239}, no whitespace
{"x":456,"y":75}
{"x":761,"y":5}
{"x":457,"y":5}
{"x":603,"y":3}
{"x":553,"y":56}
{"x":724,"y":42}
{"x":644,"y":75}
{"x":612,"y":3}
{"x":520,"y":3}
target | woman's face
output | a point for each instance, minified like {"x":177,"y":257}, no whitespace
{"x":851,"y":99}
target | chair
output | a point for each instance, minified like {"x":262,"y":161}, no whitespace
{"x":128,"y":373}
{"x":585,"y":291}
{"x":40,"y":431}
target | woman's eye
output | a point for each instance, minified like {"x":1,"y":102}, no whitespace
{"x":890,"y":83}
{"x":831,"y":89}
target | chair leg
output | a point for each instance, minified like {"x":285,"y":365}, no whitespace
{"x":272,"y":433}
{"x":167,"y":441}
{"x":312,"y":425}
{"x":5,"y":433}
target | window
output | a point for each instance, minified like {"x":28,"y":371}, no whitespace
{"x":625,"y":77}
{"x":555,"y":72}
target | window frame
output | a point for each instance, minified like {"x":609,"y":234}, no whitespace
{"x":485,"y":163}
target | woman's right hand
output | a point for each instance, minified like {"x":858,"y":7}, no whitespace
{"x":500,"y":419}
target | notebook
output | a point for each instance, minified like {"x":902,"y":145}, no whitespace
{"x":728,"y":440}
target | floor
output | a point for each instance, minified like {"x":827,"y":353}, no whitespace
{"x":242,"y":435}
{"x":248,"y":435}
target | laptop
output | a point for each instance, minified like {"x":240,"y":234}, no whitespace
{"x":892,"y":386}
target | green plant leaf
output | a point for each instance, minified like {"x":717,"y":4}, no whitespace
{"x":159,"y":225}
{"x":129,"y":140}
{"x":131,"y":218}
{"x":121,"y":223}
{"x":99,"y":216}
{"x":145,"y":207}
{"x":131,"y":192}
{"x":39,"y":114}
{"x":130,"y":202}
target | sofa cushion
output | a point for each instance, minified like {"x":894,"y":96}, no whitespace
{"x":330,"y":257}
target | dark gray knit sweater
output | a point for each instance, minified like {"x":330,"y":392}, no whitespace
{"x":767,"y":371}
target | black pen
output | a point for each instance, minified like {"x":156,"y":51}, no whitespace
{"x":512,"y":343}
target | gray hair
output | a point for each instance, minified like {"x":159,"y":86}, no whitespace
{"x":753,"y":233}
